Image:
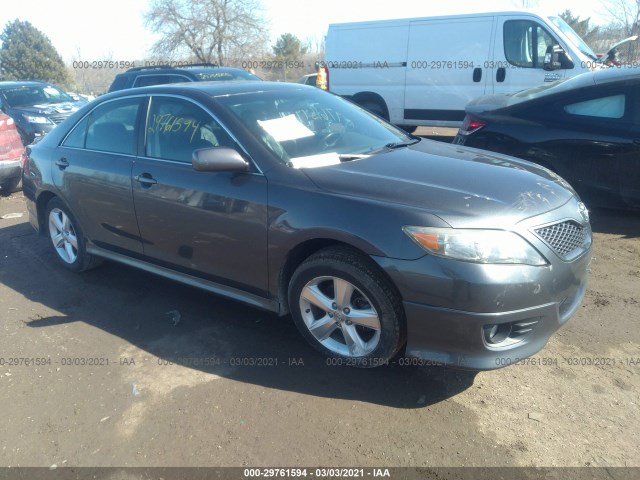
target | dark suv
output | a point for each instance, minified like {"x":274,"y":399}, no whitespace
{"x":36,"y":107}
{"x":161,"y":74}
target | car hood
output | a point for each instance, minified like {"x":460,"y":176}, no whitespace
{"x":55,"y":109}
{"x":463,"y":186}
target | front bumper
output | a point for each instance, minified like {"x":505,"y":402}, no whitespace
{"x":457,"y":338}
{"x":483,"y":316}
{"x":10,"y":169}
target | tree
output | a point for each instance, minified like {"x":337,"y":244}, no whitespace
{"x":627,"y":15}
{"x":581,"y":27}
{"x":212,"y":31}
{"x":288,"y":47}
{"x":289,"y":50}
{"x":27,"y":54}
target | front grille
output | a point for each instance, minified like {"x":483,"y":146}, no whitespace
{"x":564,"y":237}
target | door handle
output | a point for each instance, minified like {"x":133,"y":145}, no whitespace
{"x":145,"y":179}
{"x":477,"y":74}
{"x":62,"y":163}
{"x":501,"y":74}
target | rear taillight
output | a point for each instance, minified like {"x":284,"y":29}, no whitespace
{"x":470,"y":125}
{"x":6,"y":124}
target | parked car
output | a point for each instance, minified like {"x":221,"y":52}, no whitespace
{"x":309,"y":79}
{"x":11,"y":150}
{"x":162,"y":74}
{"x":36,"y":107}
{"x":586,"y":129}
{"x":294,"y":200}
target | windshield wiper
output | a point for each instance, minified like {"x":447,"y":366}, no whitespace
{"x":393,"y":146}
{"x":344,"y":157}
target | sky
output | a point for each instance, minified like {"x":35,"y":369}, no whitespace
{"x":89,"y":30}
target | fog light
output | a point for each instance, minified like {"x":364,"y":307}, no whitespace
{"x":496,"y":333}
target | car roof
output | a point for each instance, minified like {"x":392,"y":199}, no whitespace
{"x":214,"y":89}
{"x":613,"y":74}
{"x":180,"y":68}
{"x":602,"y":76}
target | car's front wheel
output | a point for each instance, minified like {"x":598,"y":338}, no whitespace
{"x":67,"y":238}
{"x":346,"y":309}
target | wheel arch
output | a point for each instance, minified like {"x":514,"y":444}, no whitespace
{"x":362,"y":98}
{"x":41,"y":208}
{"x":298,"y":254}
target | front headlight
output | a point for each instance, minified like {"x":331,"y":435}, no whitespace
{"x":36,"y":119}
{"x":480,"y":246}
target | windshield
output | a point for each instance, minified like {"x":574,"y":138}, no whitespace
{"x":26,"y":96}
{"x":573,"y":37}
{"x":312,"y":128}
{"x":31,"y":95}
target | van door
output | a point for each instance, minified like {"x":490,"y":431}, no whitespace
{"x":446,"y":68}
{"x":518,"y":56}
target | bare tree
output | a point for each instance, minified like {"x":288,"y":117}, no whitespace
{"x":212,"y":31}
{"x":626,"y":15}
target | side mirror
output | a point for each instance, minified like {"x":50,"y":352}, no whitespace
{"x":218,"y":159}
{"x":556,"y":58}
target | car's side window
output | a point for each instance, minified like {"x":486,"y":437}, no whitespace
{"x":109,"y":128}
{"x":526,"y":43}
{"x":604,"y":107}
{"x":78,"y":135}
{"x":177,"y":127}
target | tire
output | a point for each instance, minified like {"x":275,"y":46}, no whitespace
{"x":9,"y":186}
{"x":363,"y":324}
{"x":67,"y":239}
{"x":408,"y":128}
{"x":375,"y":108}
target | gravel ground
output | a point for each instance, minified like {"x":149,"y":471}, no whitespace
{"x":121,"y":368}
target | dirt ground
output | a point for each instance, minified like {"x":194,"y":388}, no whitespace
{"x":116,"y":367}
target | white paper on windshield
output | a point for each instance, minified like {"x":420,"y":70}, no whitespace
{"x":285,"y":128}
{"x":314,"y":161}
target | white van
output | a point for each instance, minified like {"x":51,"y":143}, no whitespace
{"x":423,"y":71}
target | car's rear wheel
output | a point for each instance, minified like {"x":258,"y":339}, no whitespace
{"x":67,"y":238}
{"x":346,"y":309}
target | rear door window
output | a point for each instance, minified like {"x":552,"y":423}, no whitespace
{"x":110,"y":128}
{"x":603,"y":107}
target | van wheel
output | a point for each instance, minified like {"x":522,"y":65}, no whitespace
{"x":375,"y":108}
{"x":345,"y":309}
{"x":67,"y":239}
{"x":408,"y":128}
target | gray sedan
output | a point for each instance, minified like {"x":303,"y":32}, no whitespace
{"x":378,"y":243}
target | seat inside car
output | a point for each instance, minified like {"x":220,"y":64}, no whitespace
{"x":110,"y":137}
